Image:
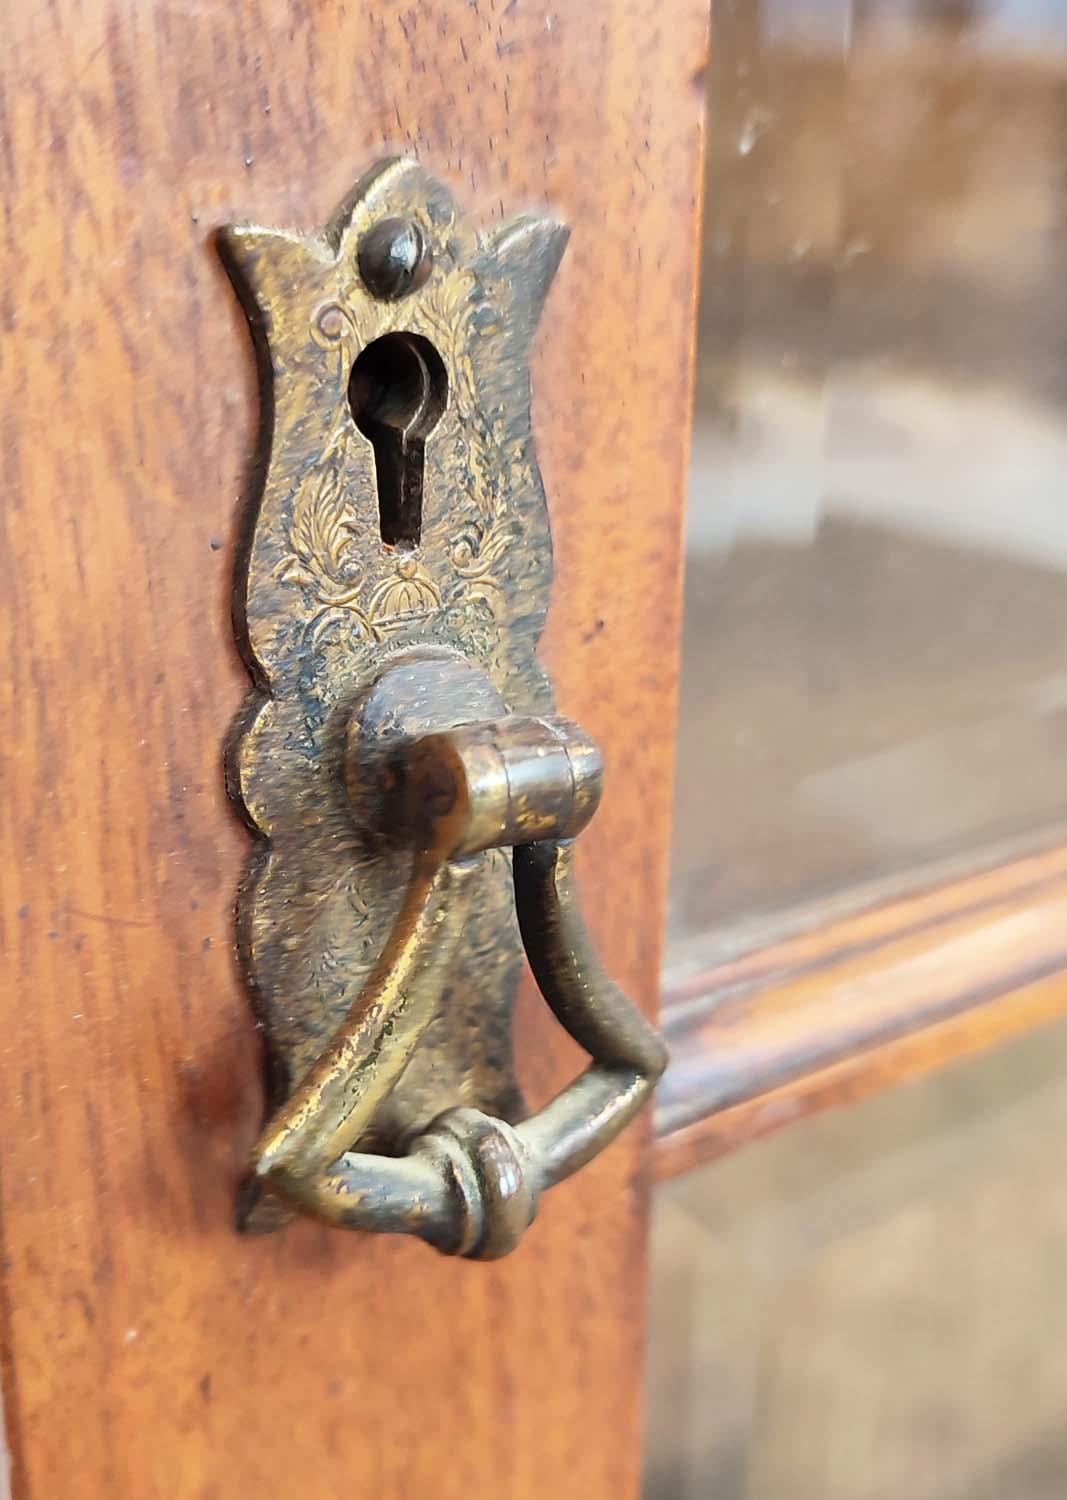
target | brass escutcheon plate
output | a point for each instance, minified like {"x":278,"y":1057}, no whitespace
{"x":383,"y":530}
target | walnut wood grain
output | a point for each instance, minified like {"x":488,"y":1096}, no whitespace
{"x":148,"y":1350}
{"x":828,"y":1017}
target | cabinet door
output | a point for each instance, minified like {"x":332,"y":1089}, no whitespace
{"x":150,"y":1350}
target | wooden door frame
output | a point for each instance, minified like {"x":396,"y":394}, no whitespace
{"x":149,"y":1350}
{"x":860,"y":1002}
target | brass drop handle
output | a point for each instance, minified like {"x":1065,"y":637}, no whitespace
{"x":400,"y":737}
{"x":467,"y":1183}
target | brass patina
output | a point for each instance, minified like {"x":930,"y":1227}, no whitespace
{"x":401,"y":737}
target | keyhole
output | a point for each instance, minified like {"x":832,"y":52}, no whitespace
{"x":397,"y":392}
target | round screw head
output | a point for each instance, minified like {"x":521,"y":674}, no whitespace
{"x":394,"y":259}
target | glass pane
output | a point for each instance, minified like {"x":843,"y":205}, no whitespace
{"x":870,"y":1305}
{"x":875,"y":652}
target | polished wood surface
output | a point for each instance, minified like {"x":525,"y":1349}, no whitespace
{"x":148,"y":1350}
{"x":832,"y":1015}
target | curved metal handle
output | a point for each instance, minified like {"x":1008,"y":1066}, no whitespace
{"x":469,"y":1184}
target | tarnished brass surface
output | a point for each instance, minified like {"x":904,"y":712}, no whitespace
{"x":400,"y":736}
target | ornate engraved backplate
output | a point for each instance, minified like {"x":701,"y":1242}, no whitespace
{"x":326,"y":598}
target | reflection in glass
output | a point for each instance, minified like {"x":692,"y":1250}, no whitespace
{"x":875,"y":657}
{"x":870,"y":1305}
